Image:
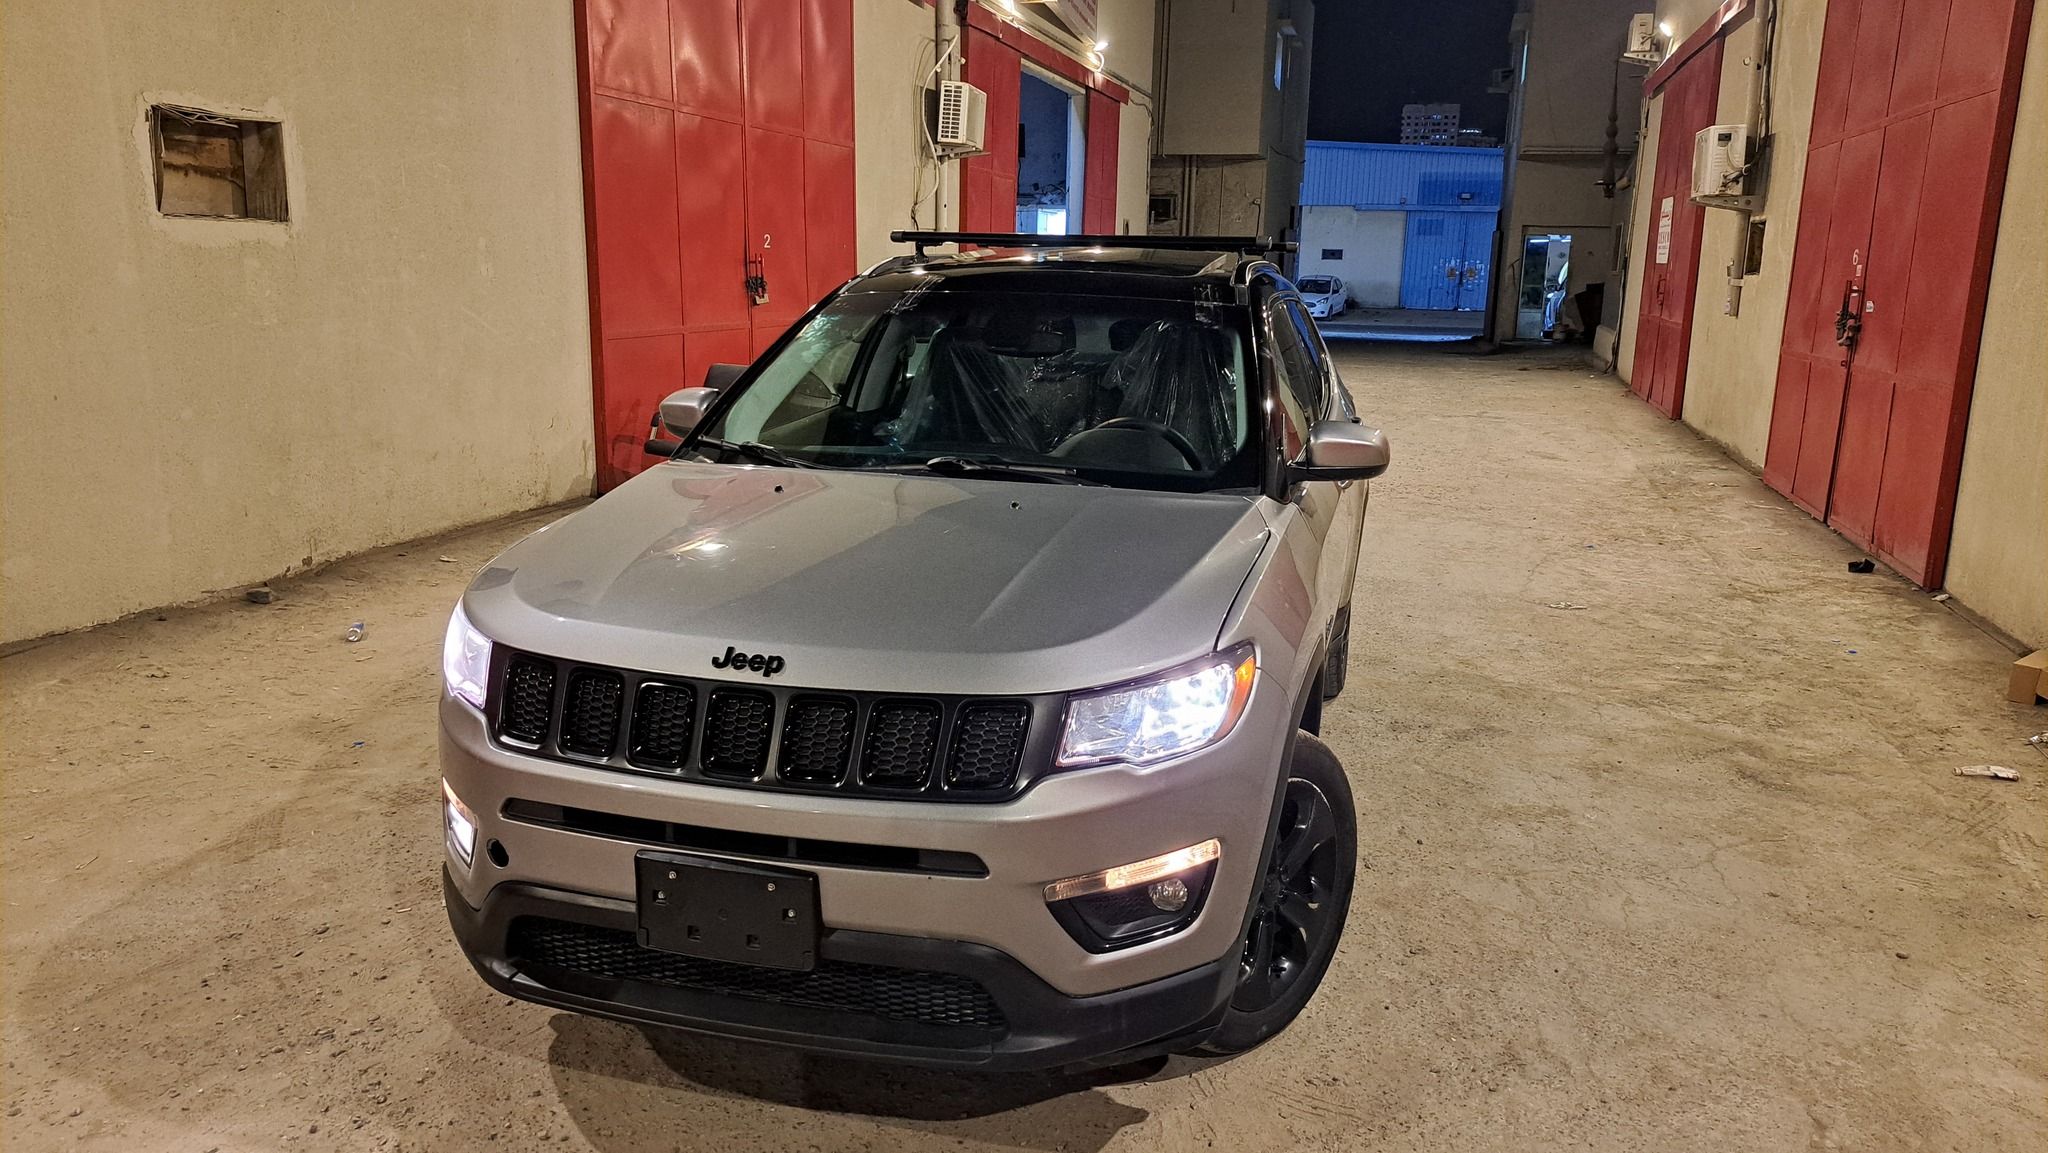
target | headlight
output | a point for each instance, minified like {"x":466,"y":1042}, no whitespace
{"x":1163,"y":717}
{"x":465,"y":659}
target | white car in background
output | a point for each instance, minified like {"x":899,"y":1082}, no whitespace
{"x":1325,"y":296}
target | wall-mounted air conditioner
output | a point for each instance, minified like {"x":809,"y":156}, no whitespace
{"x":1721,"y":167}
{"x":1642,"y":39}
{"x":959,"y":114}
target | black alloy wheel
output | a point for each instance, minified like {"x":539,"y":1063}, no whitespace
{"x":1298,"y":910}
{"x":1293,"y":918}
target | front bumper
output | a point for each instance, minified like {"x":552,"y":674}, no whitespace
{"x":1059,"y":1002}
{"x":939,"y":1003}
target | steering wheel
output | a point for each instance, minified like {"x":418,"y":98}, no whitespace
{"x":1181,"y":444}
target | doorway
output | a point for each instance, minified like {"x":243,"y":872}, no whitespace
{"x":1051,"y":154}
{"x":1546,"y":275}
{"x":1672,"y":270}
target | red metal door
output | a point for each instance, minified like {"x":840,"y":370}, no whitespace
{"x":718,"y":141}
{"x":1905,"y":169}
{"x":1664,"y":324}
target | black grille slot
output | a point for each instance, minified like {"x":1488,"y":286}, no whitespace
{"x":664,"y":716}
{"x":903,"y":738}
{"x":817,"y":740}
{"x":737,"y":725}
{"x":841,"y":986}
{"x":590,"y":713}
{"x":529,"y":702}
{"x":988,"y":740}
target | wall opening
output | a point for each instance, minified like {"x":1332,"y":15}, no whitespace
{"x":1051,"y":155}
{"x":209,"y":165}
{"x":1546,"y":276}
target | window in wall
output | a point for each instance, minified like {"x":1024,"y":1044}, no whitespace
{"x":217,"y":166}
{"x":1161,"y":209}
{"x":1333,"y":254}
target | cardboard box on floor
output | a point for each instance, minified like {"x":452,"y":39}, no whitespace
{"x":2029,"y":678}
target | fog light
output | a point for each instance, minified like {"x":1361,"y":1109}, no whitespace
{"x":1169,"y":895}
{"x":460,"y":826}
{"x":1142,"y":901}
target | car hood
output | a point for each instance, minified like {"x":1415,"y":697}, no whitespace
{"x":1318,"y":297}
{"x":877,"y":581}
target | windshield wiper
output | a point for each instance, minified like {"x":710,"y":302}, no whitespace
{"x":757,"y":450}
{"x":997,"y":470}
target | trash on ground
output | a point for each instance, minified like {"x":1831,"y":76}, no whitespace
{"x":1567,"y":605}
{"x":1864,"y":565}
{"x":1991,"y":772}
{"x":1941,"y":598}
{"x":260,"y":595}
{"x":356,"y":632}
{"x":446,"y":560}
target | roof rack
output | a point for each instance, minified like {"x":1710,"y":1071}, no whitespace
{"x":1251,"y":245}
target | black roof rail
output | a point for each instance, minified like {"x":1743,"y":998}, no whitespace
{"x":1249,"y":245}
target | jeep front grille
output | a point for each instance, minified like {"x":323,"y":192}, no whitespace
{"x":817,"y":740}
{"x":528,"y":699}
{"x":902,"y":738}
{"x":924,"y":996}
{"x":766,"y":736}
{"x":737,"y":728}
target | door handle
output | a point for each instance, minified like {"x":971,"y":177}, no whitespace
{"x":757,"y":280}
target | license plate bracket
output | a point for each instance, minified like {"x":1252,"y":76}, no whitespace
{"x":722,"y":911}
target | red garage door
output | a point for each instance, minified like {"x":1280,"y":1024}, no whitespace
{"x":718,"y":144}
{"x":1664,"y":327}
{"x":1912,"y":125}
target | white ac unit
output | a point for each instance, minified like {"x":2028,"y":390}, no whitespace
{"x":1720,"y":166}
{"x":961,"y":121}
{"x":1642,"y":39}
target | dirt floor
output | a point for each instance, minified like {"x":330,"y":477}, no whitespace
{"x":1662,"y":844}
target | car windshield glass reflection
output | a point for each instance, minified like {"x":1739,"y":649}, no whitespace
{"x":1137,"y":393}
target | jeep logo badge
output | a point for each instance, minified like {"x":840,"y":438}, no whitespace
{"x":761,"y":663}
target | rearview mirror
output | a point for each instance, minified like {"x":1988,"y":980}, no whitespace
{"x":684,"y":409}
{"x":1341,"y":450}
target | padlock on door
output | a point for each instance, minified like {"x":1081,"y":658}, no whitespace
{"x":757,"y":280}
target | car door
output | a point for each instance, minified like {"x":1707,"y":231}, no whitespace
{"x":1300,"y":394}
{"x":1339,"y":560}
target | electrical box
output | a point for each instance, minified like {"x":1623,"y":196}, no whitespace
{"x":959,"y":118}
{"x":1642,"y":39}
{"x":1721,"y":167}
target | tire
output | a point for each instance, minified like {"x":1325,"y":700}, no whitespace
{"x":1297,"y":917}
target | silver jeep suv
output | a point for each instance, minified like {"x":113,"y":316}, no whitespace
{"x":948,"y":694}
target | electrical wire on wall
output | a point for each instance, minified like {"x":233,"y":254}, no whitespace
{"x":929,"y":160}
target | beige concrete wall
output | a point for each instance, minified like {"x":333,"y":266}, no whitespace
{"x":892,"y":57}
{"x":1642,"y":218}
{"x":190,"y":405}
{"x":1998,"y":552}
{"x":1732,"y":375}
{"x":1219,"y":70}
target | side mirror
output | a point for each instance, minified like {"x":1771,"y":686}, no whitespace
{"x":1341,"y":450}
{"x":684,"y":410}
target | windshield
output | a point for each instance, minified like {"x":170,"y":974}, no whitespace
{"x":1317,"y":284}
{"x":1138,"y":393}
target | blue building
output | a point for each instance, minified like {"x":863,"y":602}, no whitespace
{"x":1405,"y":225}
